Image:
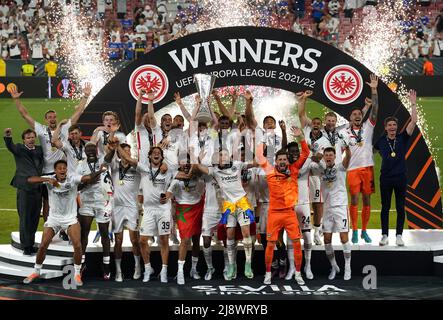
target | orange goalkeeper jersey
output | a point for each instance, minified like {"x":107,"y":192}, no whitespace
{"x":283,"y":189}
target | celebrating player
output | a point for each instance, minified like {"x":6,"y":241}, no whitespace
{"x":283,"y":196}
{"x":335,"y":218}
{"x":236,"y":208}
{"x":126,"y":181}
{"x":62,"y":191}
{"x":303,"y":212}
{"x":361,"y":164}
{"x":189,"y":211}
{"x":93,"y":204}
{"x":45,"y":132}
{"x":155,"y":181}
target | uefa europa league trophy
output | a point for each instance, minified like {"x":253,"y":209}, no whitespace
{"x":204,"y":84}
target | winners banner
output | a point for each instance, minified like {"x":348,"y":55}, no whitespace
{"x":272,"y":58}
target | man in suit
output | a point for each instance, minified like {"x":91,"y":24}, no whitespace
{"x":29,"y":162}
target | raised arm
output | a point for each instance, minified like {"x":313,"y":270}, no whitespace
{"x":151,"y":115}
{"x":179,"y":102}
{"x":298,"y":134}
{"x":302,"y":97}
{"x":251,"y":122}
{"x":374,"y":97}
{"x":8,"y":141}
{"x":284,"y":141}
{"x":261,"y":159}
{"x":82,"y":105}
{"x":56,"y":136}
{"x":365,"y":109}
{"x":138,"y":108}
{"x":15,"y":95}
{"x":347,"y":157}
{"x":413,"y":99}
{"x":221,"y":106}
{"x":234,"y":97}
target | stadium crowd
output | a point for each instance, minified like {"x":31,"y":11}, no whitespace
{"x":128,"y":29}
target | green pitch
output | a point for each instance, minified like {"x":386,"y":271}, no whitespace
{"x":10,"y":118}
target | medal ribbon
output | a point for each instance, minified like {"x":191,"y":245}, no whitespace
{"x":358,"y":136}
{"x":390,"y":146}
{"x":331,"y":137}
{"x":78,"y":154}
{"x":153,"y":175}
{"x":122,"y":171}
{"x":313,"y":139}
{"x":92,"y":167}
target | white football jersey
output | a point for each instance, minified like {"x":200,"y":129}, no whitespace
{"x":229,"y":181}
{"x":153,"y":184}
{"x":250,"y":185}
{"x":206,"y":143}
{"x":126,"y":183}
{"x":213,"y":197}
{"x":187,"y":192}
{"x":335,"y":140}
{"x":273,"y":144}
{"x":99,"y":192}
{"x":50,"y":154}
{"x":362,"y":155}
{"x":303,"y":183}
{"x":178,"y":143}
{"x":102,"y":137}
{"x":144,"y":140}
{"x":73,"y":155}
{"x":63,"y":199}
{"x":317,"y":146}
{"x":333,"y":183}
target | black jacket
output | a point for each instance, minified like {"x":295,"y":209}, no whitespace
{"x":27,"y":162}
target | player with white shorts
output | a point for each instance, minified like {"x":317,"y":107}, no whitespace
{"x":211,"y":219}
{"x":236,"y":207}
{"x":95,"y":202}
{"x":62,"y":192}
{"x":155,"y":181}
{"x":303,"y":211}
{"x":125,"y":213}
{"x":335,"y":218}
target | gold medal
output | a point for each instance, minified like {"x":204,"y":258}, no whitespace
{"x":360,"y":144}
{"x":120,"y":182}
{"x":53,"y":149}
{"x":187,"y":189}
{"x":329,"y":184}
{"x":393,"y":154}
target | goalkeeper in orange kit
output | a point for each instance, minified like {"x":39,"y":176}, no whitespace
{"x":283,"y":196}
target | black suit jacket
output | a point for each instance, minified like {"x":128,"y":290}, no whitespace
{"x":27,"y":162}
